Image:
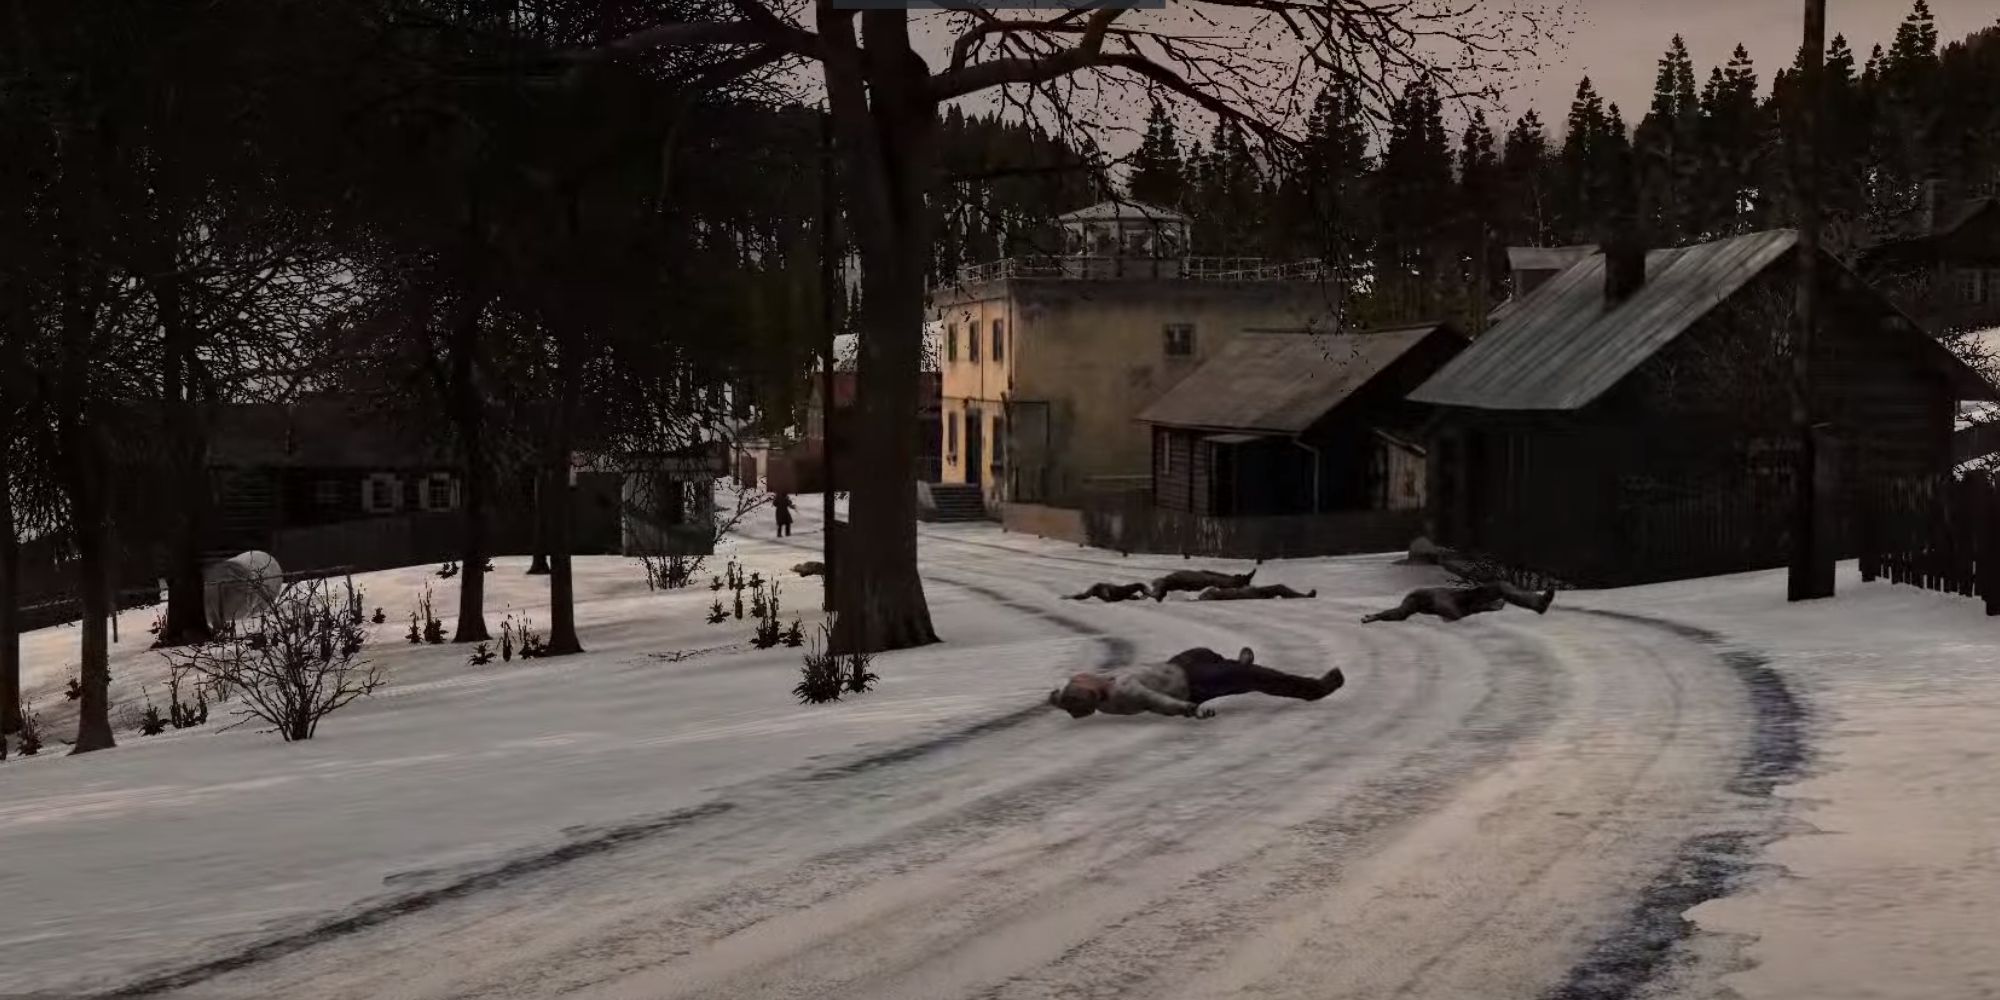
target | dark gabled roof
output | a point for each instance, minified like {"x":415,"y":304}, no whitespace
{"x":320,"y":432}
{"x":1559,"y":348}
{"x":1948,"y":220}
{"x":1281,"y":383}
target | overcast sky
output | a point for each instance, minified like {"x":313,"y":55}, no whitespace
{"x":1619,"y":42}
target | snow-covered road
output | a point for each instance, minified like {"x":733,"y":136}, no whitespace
{"x":1510,"y":806}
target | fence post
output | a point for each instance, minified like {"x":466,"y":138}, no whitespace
{"x":1870,"y":557}
{"x":1989,"y":548}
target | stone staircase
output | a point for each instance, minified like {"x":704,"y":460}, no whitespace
{"x":956,"y":502}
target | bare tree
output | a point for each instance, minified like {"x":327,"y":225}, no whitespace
{"x":1241,"y":59}
{"x":299,"y":663}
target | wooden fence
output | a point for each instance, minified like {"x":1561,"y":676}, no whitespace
{"x":1158,"y":531}
{"x":1939,"y":534}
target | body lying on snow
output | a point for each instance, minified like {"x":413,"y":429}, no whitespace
{"x":1110,"y":593}
{"x":1453,"y":603}
{"x":1263,"y":593}
{"x":1181,"y":684}
{"x":1196,"y":580}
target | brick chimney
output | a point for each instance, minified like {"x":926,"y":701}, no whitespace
{"x":1624,"y":267}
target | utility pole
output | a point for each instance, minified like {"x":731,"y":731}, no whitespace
{"x":829,"y":310}
{"x":1811,"y":573}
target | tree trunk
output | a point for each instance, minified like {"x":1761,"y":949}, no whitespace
{"x":187,"y":618}
{"x":89,"y":521}
{"x":10,"y":597}
{"x":469,"y":414}
{"x":562,"y":583}
{"x":539,"y":565}
{"x":887,"y":140}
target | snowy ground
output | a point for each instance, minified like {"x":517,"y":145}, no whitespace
{"x":1509,"y":806}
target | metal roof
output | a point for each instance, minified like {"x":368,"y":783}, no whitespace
{"x":1110,"y":211}
{"x":1280,"y":383}
{"x":1560,"y":348}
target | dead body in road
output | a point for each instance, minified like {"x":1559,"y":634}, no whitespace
{"x":1181,"y":684}
{"x":1195,"y":580}
{"x":1454,"y":603}
{"x":1110,"y":593}
{"x":1266,"y":592}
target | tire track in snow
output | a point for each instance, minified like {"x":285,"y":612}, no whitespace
{"x":1640,"y":949}
{"x":588,"y":842}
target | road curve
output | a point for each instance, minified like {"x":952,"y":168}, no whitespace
{"x":1476,"y":813}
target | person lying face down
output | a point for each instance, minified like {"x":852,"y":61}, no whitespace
{"x":1191,"y":580}
{"x":1453,"y":603}
{"x":1110,"y":593}
{"x":1182,"y":683}
{"x":1263,"y":593}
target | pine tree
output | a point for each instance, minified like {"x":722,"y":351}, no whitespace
{"x":1414,"y":191}
{"x":1159,"y":175}
{"x":1666,"y":150}
{"x":1527,"y":185}
{"x":1480,"y":204}
{"x":1323,"y":197}
{"x":1580,"y":216}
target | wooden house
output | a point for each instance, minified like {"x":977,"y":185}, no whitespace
{"x":1628,"y":420}
{"x":1280,"y":424}
{"x":1943,"y":268}
{"x":326,"y":482}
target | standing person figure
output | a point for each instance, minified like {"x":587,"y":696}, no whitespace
{"x":782,"y":503}
{"x":1181,"y":684}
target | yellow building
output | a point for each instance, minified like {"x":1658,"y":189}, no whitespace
{"x":1048,"y":361}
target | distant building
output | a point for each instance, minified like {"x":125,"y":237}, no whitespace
{"x":328,"y":482}
{"x":1627,"y":420}
{"x":1047,"y":361}
{"x":1284,"y":424}
{"x":1944,"y":267}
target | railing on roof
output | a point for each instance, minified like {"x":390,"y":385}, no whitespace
{"x":1165,"y":268}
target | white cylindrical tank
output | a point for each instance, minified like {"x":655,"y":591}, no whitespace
{"x":240,"y":587}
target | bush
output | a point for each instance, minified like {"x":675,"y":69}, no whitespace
{"x":481,"y":656}
{"x":31,"y":730}
{"x":671,"y":572}
{"x":306,"y":665}
{"x":827,"y":674}
{"x":795,"y":635}
{"x":430,"y":630}
{"x":717,"y":614}
{"x":521,"y":636}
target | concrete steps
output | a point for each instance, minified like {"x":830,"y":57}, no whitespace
{"x":957,"y":502}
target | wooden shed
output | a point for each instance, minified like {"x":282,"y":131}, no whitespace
{"x":1296,"y":423}
{"x":1628,"y":421}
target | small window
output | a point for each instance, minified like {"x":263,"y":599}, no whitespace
{"x":326,"y":493}
{"x":439,"y":491}
{"x":1969,"y":286}
{"x":999,"y":440}
{"x":951,"y":434}
{"x":999,"y":340}
{"x":972,"y":344}
{"x":1164,"y":446}
{"x":1180,"y":340}
{"x":951,"y":342}
{"x":382,"y":493}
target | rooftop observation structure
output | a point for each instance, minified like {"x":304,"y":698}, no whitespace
{"x":1131,"y":240}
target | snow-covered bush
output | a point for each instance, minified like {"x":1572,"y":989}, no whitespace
{"x":300,"y":662}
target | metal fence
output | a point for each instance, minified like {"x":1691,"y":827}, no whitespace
{"x":1087,"y":268}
